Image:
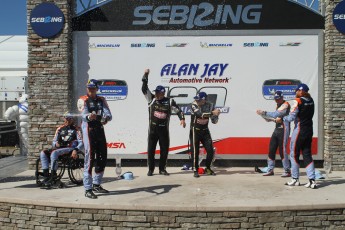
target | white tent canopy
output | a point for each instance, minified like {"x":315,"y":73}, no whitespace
{"x":13,"y":56}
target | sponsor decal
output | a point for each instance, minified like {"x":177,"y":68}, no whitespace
{"x":202,"y":121}
{"x":215,"y":45}
{"x":193,"y":69}
{"x":287,"y":86}
{"x":103,"y":45}
{"x":176,"y":45}
{"x":255,"y":44}
{"x":160,"y":115}
{"x":187,"y":109}
{"x":143,"y":45}
{"x":195,"y":73}
{"x":47,"y":20}
{"x":290,"y":44}
{"x":116,"y":145}
{"x":202,"y":15}
{"x":112,"y":89}
{"x":339,"y":17}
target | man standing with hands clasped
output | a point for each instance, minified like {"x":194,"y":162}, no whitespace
{"x":202,"y":111}
{"x":95,"y":114}
{"x":159,"y":116}
{"x":302,"y":112}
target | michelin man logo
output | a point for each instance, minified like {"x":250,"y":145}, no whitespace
{"x":20,"y":114}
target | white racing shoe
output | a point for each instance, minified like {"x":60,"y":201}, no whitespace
{"x":293,"y":182}
{"x":311,"y":184}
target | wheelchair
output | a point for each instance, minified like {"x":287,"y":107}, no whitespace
{"x":75,"y":169}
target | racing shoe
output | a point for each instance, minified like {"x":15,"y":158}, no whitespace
{"x":150,"y":173}
{"x":99,"y":189}
{"x":46,"y":176}
{"x":286,"y":174}
{"x":257,"y":169}
{"x":269,"y":173}
{"x":52,"y":179}
{"x":90,"y":194}
{"x":293,"y":182}
{"x":196,"y":174}
{"x":164,"y":172}
{"x":210,"y":172}
{"x":311,"y":184}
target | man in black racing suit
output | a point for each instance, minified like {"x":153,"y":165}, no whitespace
{"x":201,"y":112}
{"x":159,"y":116}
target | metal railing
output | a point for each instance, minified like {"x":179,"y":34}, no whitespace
{"x":315,"y":5}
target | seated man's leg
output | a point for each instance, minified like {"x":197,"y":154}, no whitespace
{"x":44,"y":157}
{"x":54,"y":164}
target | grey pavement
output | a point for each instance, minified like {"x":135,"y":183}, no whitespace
{"x":233,"y":189}
{"x":12,"y":165}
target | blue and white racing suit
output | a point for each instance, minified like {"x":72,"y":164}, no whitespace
{"x":302,"y":112}
{"x":69,"y":139}
{"x":94,"y":138}
{"x":279,"y":138}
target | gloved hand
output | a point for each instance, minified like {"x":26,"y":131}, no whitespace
{"x":146,"y":75}
{"x":260,"y":112}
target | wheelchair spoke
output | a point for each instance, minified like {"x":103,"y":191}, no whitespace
{"x":76,"y":169}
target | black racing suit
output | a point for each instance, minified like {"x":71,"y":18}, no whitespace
{"x":159,"y":117}
{"x":199,"y":132}
{"x":279,"y":138}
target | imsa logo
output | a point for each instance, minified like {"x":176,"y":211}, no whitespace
{"x":116,"y":145}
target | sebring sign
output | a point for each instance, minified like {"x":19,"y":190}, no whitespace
{"x":202,"y":15}
{"x":339,"y":17}
{"x":47,"y":20}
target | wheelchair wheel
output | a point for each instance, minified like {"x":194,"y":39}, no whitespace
{"x":39,"y":173}
{"x":76,"y":169}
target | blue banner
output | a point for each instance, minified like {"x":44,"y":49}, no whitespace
{"x":112,"y":89}
{"x":286,"y":86}
{"x":84,"y":6}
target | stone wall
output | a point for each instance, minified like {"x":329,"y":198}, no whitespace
{"x":18,"y":216}
{"x":334,"y":91}
{"x":49,"y":80}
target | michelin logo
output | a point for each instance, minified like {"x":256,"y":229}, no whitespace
{"x":103,"y":46}
{"x":215,"y":45}
{"x":46,"y":19}
{"x":111,"y":91}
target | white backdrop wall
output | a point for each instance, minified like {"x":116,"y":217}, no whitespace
{"x":237,"y":67}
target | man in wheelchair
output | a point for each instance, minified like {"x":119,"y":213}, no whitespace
{"x":67,"y":140}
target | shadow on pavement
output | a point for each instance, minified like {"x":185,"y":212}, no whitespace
{"x":225,"y":172}
{"x":328,"y":182}
{"x":17,"y":179}
{"x":150,"y":189}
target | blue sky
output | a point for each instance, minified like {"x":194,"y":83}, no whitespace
{"x":13,"y":16}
